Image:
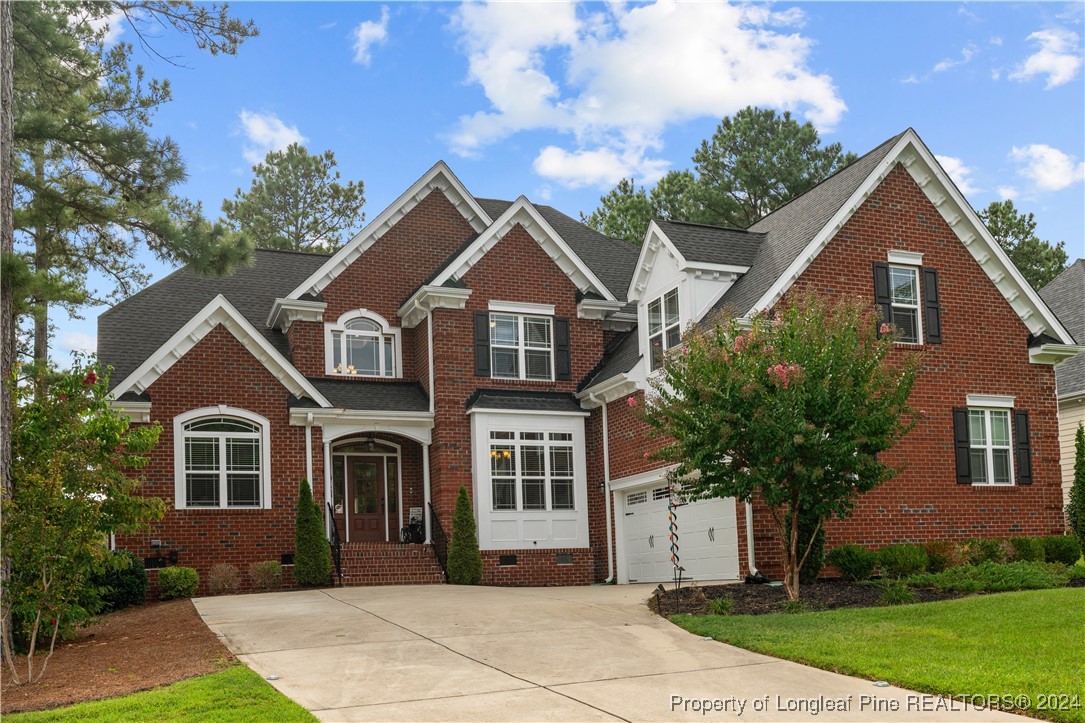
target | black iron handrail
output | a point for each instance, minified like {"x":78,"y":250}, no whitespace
{"x":439,"y":540}
{"x":336,"y":545}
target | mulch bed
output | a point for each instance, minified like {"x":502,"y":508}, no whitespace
{"x":764,"y":599}
{"x":127,"y":651}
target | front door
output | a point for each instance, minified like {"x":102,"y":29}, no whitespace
{"x":366,"y":490}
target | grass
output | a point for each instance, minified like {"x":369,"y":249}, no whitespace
{"x":1009,"y":643}
{"x":234,"y":694}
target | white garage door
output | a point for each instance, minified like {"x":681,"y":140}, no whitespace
{"x":707,"y":538}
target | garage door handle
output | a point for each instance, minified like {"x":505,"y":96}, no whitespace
{"x":651,"y":541}
{"x":712,"y":534}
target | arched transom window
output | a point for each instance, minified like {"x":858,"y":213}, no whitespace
{"x":222,"y":461}
{"x":363,"y":346}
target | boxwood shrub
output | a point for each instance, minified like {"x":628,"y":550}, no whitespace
{"x":854,"y":561}
{"x":1027,"y":549}
{"x":902,"y":560}
{"x":1062,"y":548}
{"x":179,"y":581}
{"x":123,"y":581}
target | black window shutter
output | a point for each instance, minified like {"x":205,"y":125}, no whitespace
{"x":563,"y":367}
{"x":881,"y":291}
{"x":482,"y":344}
{"x":962,"y":447}
{"x":932,"y":307}
{"x":1022,"y":449}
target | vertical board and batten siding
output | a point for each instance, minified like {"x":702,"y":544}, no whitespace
{"x":1071,"y":414}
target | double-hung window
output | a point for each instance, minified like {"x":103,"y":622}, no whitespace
{"x":904,"y":302}
{"x":223,"y":463}
{"x":664,"y":327}
{"x":991,"y":448}
{"x":362,"y":348}
{"x":531,"y":471}
{"x":521,"y":347}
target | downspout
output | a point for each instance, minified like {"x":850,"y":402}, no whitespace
{"x":606,"y":490}
{"x":429,"y":345}
{"x":749,"y":538}
{"x":309,"y":448}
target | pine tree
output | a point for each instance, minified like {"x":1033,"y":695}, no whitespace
{"x":312,"y":556}
{"x":464,"y":558}
{"x":1075,"y":509}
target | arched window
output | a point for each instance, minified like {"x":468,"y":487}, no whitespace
{"x":221,"y":459}
{"x":362,"y":344}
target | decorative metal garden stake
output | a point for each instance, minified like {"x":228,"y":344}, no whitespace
{"x":672,"y":521}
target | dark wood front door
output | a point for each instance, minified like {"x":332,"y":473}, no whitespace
{"x":366,"y":497}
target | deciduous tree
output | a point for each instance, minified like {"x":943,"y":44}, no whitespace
{"x":793,"y":411}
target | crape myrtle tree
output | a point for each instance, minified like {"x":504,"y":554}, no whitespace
{"x":792,"y":409}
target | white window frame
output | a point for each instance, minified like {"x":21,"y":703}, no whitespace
{"x":918,"y":306}
{"x":386,"y":330}
{"x":989,"y":446}
{"x":521,"y":345}
{"x":664,"y":327}
{"x":179,"y":471}
{"x":517,"y":443}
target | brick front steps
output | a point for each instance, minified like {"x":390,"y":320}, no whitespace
{"x":390,"y":563}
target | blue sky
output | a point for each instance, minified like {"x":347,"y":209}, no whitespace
{"x":558,"y":101}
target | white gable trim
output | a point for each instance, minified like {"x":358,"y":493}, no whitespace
{"x":525,"y":214}
{"x":958,"y":214}
{"x":654,"y":240}
{"x":219,"y":311}
{"x":439,"y":178}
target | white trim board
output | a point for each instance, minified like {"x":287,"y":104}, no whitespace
{"x":522,"y":212}
{"x":440,"y":178}
{"x":219,"y":311}
{"x":925,"y":170}
{"x":654,"y":240}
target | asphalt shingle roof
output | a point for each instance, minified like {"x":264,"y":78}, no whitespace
{"x":1065,"y":296}
{"x":622,"y":356}
{"x":372,"y":396}
{"x":519,"y":400}
{"x":713,"y":244}
{"x":135,"y":328}
{"x":789,"y":229}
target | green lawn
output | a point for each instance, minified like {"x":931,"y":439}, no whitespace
{"x":235,"y":694}
{"x":1029,"y":643}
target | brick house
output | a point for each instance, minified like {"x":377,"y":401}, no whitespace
{"x":460,"y":341}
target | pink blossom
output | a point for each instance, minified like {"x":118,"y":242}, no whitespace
{"x":646,"y":455}
{"x":685,"y":351}
{"x":884,"y":328}
{"x":740,"y":342}
{"x":783,"y":374}
{"x":90,"y":378}
{"x":631,"y":402}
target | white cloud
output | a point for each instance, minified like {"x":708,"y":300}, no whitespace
{"x":995,"y":40}
{"x":1058,"y":57}
{"x":328,"y":26}
{"x":959,"y":172}
{"x":266,"y":133}
{"x":1007,"y":193}
{"x":70,"y":341}
{"x":111,"y":24}
{"x":967,"y":53}
{"x":911,"y":80}
{"x":369,"y":34}
{"x":1049,"y":168}
{"x":614,"y":77}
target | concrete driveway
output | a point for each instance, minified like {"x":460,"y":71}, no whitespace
{"x":448,"y":653}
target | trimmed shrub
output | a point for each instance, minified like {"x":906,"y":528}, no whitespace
{"x":1026,"y":549}
{"x":854,"y":561}
{"x":1062,"y":548}
{"x":312,"y":554}
{"x":464,"y":558}
{"x":898,"y":561}
{"x":123,"y":582}
{"x":815,"y":560}
{"x":976,"y":551}
{"x":266,"y":575}
{"x":178,"y":581}
{"x":1075,"y":508}
{"x":223,"y":579}
{"x":995,"y":577}
{"x":942,"y":555}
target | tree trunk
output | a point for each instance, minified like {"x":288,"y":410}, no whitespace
{"x":7,"y":308}
{"x":41,"y":265}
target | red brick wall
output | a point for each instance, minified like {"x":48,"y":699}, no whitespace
{"x":204,"y":537}
{"x":539,"y":568}
{"x":984,"y":351}
{"x":382,"y":278}
{"x":455,"y":378}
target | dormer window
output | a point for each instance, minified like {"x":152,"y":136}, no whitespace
{"x":361,"y":344}
{"x":664,"y":327}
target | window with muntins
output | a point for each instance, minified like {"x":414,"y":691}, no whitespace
{"x":990,"y":446}
{"x":904,"y":301}
{"x":362,"y":348}
{"x":664,"y":327}
{"x":521,"y":347}
{"x":222,"y":463}
{"x":531,"y":471}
